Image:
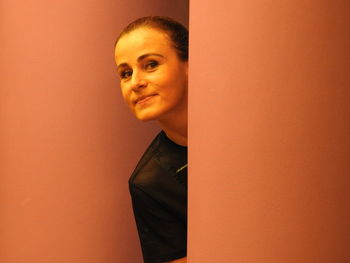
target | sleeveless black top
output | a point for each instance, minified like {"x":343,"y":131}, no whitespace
{"x":158,"y":188}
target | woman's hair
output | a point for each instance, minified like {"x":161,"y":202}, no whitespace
{"x":177,"y":33}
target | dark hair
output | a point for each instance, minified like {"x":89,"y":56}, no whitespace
{"x":177,"y":33}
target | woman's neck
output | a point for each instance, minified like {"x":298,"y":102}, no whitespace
{"x":176,"y":137}
{"x":176,"y":130}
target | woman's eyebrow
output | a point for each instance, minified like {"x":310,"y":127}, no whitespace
{"x":122,"y":65}
{"x":147,"y":55}
{"x":140,"y":58}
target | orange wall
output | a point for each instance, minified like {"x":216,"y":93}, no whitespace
{"x":67,"y":142}
{"x":269,"y":131}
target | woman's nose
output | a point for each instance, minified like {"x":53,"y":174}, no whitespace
{"x":137,"y":81}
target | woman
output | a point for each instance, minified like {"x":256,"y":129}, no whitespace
{"x":152,"y":62}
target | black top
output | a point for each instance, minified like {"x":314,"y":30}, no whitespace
{"x":158,"y":188}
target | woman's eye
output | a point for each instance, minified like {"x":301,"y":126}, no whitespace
{"x":151,"y":64}
{"x":125,"y":74}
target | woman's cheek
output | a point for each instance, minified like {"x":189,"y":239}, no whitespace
{"x":125,"y":94}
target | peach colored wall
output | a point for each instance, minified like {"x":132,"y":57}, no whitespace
{"x":67,"y":142}
{"x":269,"y":131}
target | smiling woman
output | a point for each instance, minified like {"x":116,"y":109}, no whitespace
{"x":152,"y":63}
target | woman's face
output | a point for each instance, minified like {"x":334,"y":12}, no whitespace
{"x":153,"y":79}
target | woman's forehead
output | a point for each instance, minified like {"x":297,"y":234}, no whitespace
{"x":141,"y":40}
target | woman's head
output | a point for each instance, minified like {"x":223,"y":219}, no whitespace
{"x":177,"y":33}
{"x":151,"y":58}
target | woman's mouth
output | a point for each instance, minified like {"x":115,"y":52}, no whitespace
{"x":144,"y":99}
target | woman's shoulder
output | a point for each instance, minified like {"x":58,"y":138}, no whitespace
{"x":147,"y":156}
{"x":158,"y":166}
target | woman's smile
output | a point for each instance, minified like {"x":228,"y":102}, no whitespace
{"x":144,"y":99}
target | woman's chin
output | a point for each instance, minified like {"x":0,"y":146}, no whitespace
{"x":144,"y":117}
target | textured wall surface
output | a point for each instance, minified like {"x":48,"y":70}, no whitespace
{"x":67,"y":141}
{"x":269,"y":142}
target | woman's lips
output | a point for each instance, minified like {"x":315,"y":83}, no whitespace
{"x":144,"y":99}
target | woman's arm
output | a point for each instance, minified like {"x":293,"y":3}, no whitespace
{"x":180,"y":260}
